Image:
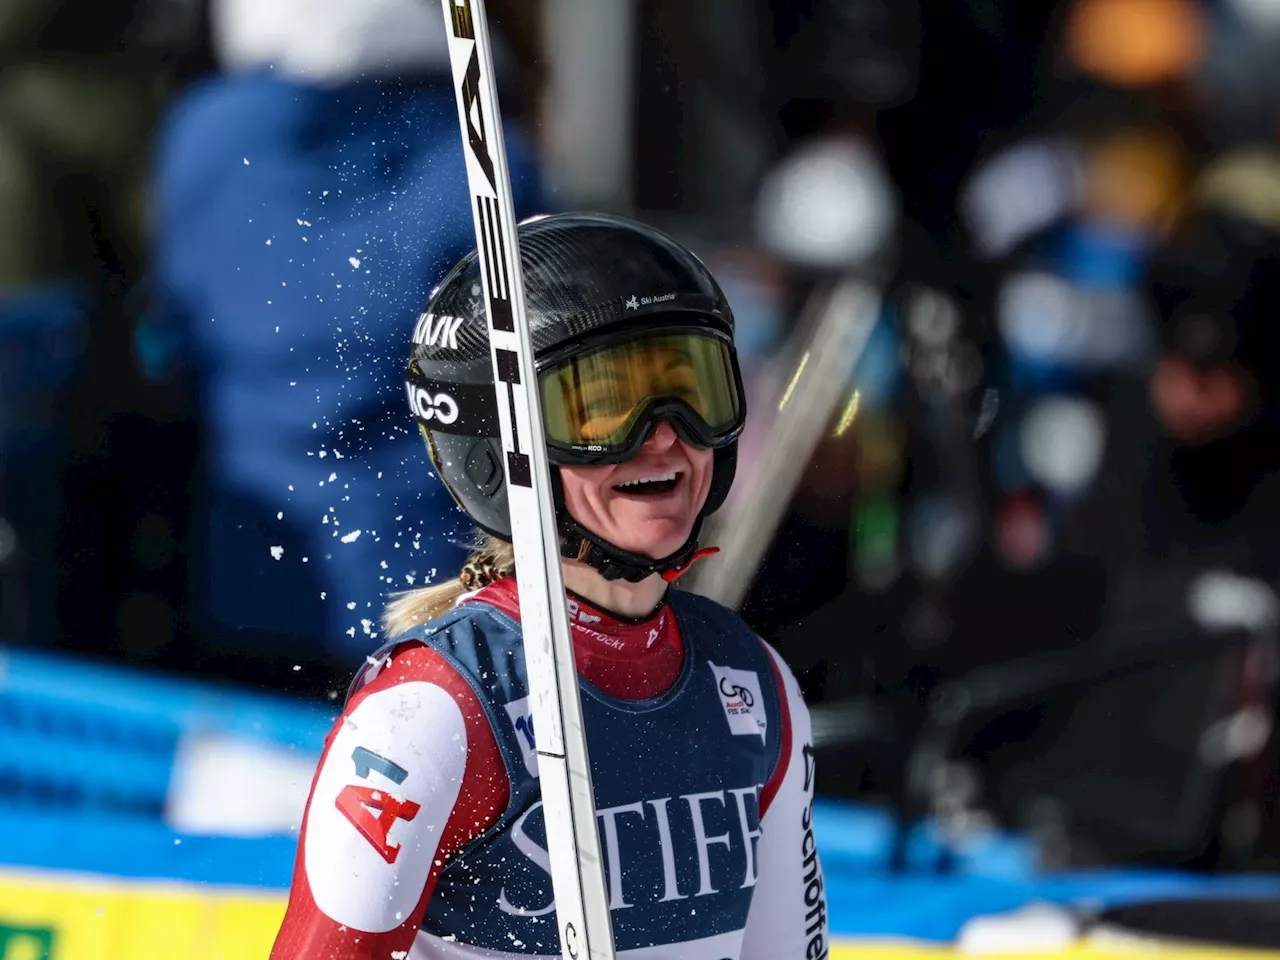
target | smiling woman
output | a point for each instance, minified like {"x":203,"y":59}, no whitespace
{"x":646,"y":505}
{"x":425,"y":825}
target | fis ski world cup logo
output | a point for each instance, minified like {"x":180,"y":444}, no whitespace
{"x":740,"y":696}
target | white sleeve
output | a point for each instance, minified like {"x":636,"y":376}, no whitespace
{"x":788,"y":915}
{"x":384,"y":792}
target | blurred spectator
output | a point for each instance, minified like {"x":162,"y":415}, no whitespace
{"x":310,"y":196}
{"x":1192,"y":475}
{"x":81,"y":83}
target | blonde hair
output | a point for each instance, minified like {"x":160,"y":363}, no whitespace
{"x":490,"y":560}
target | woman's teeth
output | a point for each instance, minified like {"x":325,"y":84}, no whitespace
{"x":641,"y":482}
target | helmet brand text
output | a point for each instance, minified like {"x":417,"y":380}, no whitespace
{"x":437,"y":331}
{"x":440,"y":407}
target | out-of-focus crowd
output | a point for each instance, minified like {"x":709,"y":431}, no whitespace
{"x":1055,"y":442}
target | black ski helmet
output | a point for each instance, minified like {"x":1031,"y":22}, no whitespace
{"x":589,"y":279}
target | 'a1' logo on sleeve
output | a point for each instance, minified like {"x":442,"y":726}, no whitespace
{"x":385,"y":790}
{"x":357,"y":801}
{"x":739,"y":692}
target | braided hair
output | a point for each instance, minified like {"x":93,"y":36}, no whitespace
{"x":490,"y":561}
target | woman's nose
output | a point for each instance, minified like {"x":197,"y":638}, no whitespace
{"x":661,"y":437}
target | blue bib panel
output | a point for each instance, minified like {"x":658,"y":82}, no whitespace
{"x":677,"y":783}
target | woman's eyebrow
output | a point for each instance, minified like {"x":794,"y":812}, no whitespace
{"x":680,"y":359}
{"x":609,"y":373}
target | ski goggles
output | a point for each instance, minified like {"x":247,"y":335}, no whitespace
{"x":598,"y":405}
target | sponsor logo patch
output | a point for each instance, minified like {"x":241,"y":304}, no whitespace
{"x":437,"y":331}
{"x":521,"y":715}
{"x":388,"y":782}
{"x":739,"y":692}
{"x":357,"y":801}
{"x":440,"y":407}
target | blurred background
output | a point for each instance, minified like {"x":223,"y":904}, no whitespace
{"x":1006,"y":276}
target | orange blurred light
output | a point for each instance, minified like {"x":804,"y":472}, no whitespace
{"x":1135,"y":178}
{"x":1135,"y":43}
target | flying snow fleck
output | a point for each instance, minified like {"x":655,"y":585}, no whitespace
{"x":351,"y":605}
{"x":279,"y":514}
{"x":352,"y":537}
{"x":246,"y":161}
{"x":354,"y":261}
{"x":277,"y":552}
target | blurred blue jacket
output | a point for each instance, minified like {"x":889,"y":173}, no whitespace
{"x":300,"y":230}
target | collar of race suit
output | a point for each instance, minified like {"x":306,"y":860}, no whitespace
{"x":634,"y":659}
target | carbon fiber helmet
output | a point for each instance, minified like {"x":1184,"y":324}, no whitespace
{"x":591,"y":280}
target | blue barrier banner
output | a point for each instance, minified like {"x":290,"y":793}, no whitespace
{"x":148,"y":816}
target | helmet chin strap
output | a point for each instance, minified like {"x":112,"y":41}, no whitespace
{"x":612,"y":562}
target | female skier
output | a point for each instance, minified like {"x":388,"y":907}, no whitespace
{"x":423,"y":836}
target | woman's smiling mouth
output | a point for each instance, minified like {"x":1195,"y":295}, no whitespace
{"x":650,"y":484}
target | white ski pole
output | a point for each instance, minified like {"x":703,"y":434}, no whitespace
{"x":564,"y":772}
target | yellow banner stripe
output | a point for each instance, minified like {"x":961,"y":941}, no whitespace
{"x":56,"y":916}
{"x":101,"y":918}
{"x":1085,"y":950}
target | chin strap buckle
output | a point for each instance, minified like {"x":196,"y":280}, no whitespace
{"x":673,"y":573}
